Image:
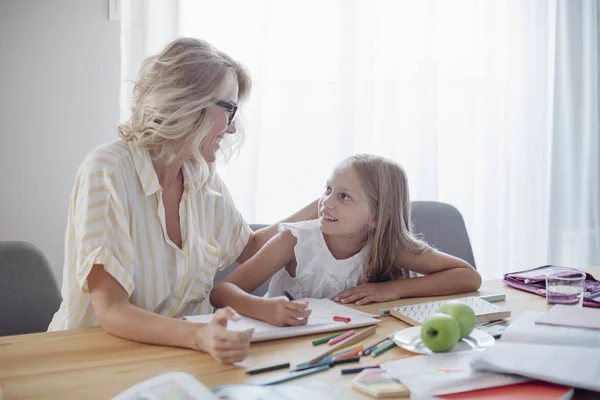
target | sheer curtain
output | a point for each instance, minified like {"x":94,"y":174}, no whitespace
{"x":474,"y":98}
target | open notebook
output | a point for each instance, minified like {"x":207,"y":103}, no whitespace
{"x":563,"y":355}
{"x":320,"y":320}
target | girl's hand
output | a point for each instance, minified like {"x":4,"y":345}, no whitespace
{"x":279,"y":311}
{"x":368,"y":293}
{"x":226,"y":346}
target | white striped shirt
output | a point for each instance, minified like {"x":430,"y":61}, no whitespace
{"x":117,"y":219}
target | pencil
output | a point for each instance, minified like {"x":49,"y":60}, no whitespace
{"x":325,"y":339}
{"x":357,"y":370}
{"x":288,"y":295}
{"x":365,"y":333}
{"x":382,"y":348}
{"x":340,"y":338}
{"x":348,"y":354}
{"x":267,"y":368}
{"x":294,"y":375}
{"x":358,"y":346}
{"x":369,"y":349}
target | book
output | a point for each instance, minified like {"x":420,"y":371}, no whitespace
{"x":183,"y":386}
{"x":416,"y":314}
{"x":578,"y":317}
{"x":527,"y":390}
{"x":557,"y":354}
{"x":320,"y":320}
{"x":378,"y":383}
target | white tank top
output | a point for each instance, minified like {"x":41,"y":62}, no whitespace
{"x":318,"y":273}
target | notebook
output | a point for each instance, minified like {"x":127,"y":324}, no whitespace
{"x":577,"y":317}
{"x":562,"y":355}
{"x":320,"y":320}
{"x":527,"y":390}
{"x":416,"y":314}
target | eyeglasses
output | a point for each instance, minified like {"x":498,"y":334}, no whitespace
{"x":231,"y":110}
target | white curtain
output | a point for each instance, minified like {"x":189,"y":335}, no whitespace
{"x":491,"y":106}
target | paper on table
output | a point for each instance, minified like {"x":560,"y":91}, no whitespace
{"x":566,"y":365}
{"x":438,"y":374}
{"x":320,"y":320}
{"x":578,"y":317}
{"x":525,"y":330}
{"x":172,"y":385}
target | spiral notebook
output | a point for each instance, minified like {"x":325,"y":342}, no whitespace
{"x":416,"y":314}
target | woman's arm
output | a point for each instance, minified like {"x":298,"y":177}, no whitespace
{"x":119,"y":317}
{"x":234,"y":290}
{"x":259,"y":238}
{"x":443,"y":275}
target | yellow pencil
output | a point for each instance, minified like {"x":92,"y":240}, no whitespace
{"x":345,"y":349}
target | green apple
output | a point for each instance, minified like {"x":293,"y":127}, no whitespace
{"x":440,"y":332}
{"x":462,"y":313}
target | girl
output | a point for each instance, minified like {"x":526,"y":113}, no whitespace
{"x":360,"y":250}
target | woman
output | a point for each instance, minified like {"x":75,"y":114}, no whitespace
{"x":150,"y":222}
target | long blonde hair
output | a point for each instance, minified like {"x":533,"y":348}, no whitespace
{"x":386,"y":185}
{"x":171,"y":95}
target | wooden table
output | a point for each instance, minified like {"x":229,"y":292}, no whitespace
{"x":91,"y":364}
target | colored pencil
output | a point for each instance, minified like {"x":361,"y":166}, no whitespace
{"x":267,"y":368}
{"x":325,"y":339}
{"x":294,"y":375}
{"x":382,"y":348}
{"x":358,"y":337}
{"x":340,"y":338}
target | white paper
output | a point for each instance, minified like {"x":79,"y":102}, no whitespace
{"x":320,"y":320}
{"x":172,"y":385}
{"x":567,"y":365}
{"x":439,"y":374}
{"x":525,"y":330}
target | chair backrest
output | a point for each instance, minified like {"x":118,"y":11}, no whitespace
{"x":442,"y":226}
{"x":262,"y":289}
{"x":29,"y":296}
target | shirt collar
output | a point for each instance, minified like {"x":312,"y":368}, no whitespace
{"x":145,"y":169}
{"x":192,"y":175}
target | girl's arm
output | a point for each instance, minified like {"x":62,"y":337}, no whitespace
{"x":262,"y":236}
{"x":235,"y":289}
{"x":119,"y":317}
{"x":443,"y":275}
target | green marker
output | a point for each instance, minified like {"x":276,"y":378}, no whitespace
{"x":325,"y":339}
{"x":382,"y":348}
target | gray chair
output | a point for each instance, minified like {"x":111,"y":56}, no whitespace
{"x":28,"y":293}
{"x":262,"y":289}
{"x":442,"y":226}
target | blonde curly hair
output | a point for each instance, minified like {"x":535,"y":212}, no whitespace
{"x":171,"y":95}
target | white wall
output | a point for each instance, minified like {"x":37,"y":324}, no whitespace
{"x":59,"y":98}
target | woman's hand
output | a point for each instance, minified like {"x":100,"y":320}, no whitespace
{"x":226,"y":346}
{"x":369,"y":293}
{"x":279,"y":311}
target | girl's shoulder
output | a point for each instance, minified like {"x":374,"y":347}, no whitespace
{"x":303,"y":231}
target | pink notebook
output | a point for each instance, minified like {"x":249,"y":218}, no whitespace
{"x":578,"y":317}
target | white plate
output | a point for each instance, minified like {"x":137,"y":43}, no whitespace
{"x":410,"y":339}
